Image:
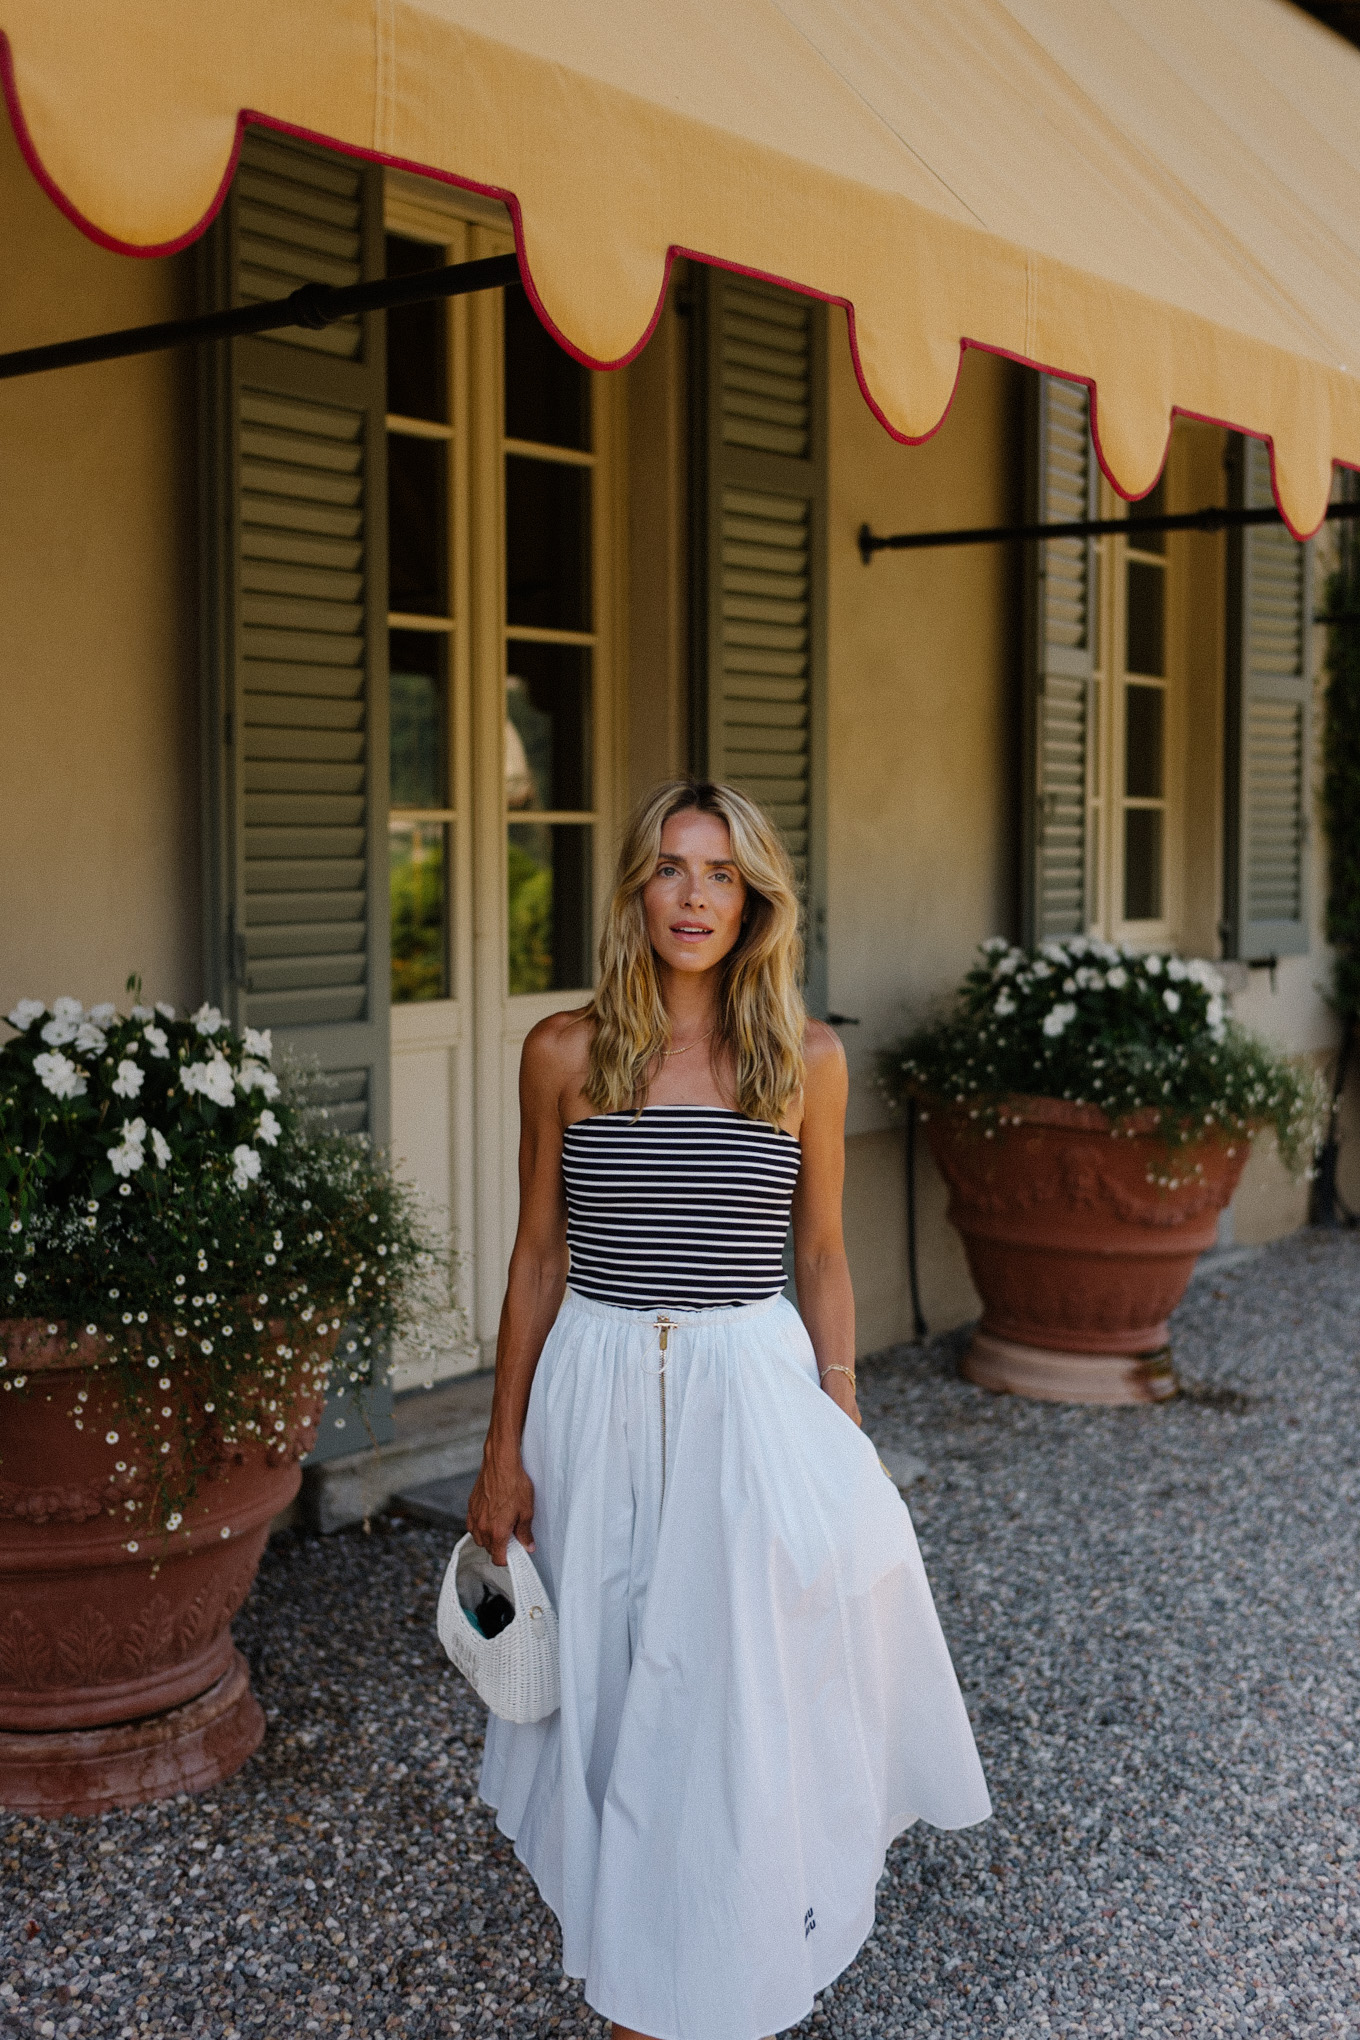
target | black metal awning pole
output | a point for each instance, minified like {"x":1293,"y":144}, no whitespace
{"x":871,"y":542}
{"x":314,"y":306}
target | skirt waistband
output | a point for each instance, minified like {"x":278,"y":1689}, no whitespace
{"x":617,"y":1313}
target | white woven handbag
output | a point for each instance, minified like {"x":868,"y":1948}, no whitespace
{"x":515,"y":1673}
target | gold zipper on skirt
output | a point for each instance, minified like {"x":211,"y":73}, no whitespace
{"x":664,"y":1327}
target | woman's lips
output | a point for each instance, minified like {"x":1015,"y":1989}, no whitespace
{"x":689,"y":931}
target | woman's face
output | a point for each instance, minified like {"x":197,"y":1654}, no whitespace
{"x":695,"y":896}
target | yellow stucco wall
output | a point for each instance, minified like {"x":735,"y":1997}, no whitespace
{"x":98,"y":760}
{"x":922,"y":675}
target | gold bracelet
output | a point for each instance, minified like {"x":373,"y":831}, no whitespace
{"x":848,"y":1372}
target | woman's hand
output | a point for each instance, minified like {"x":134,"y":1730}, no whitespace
{"x":501,"y":1506}
{"x":841,"y":1390}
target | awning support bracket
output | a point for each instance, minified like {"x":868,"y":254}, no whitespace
{"x":313,"y":306}
{"x":1210,"y":519}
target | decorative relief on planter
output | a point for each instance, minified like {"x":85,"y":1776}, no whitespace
{"x":25,"y":1653}
{"x":87,"y":1649}
{"x":1079,"y":1179}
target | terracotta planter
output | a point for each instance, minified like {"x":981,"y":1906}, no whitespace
{"x":119,"y":1680}
{"x":1080,"y":1243}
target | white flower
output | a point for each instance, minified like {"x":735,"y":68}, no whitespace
{"x":1055,"y":1021}
{"x":1010,"y":962}
{"x":1042,"y":970}
{"x":1089,"y":980}
{"x":58,"y":1032}
{"x":103,"y":1012}
{"x":1069,"y":984}
{"x":1204,"y":975}
{"x":60,"y":1076}
{"x":207,"y":1019}
{"x":130,"y":1153}
{"x":258,"y":1041}
{"x":253,"y":1076}
{"x":1054,"y":951}
{"x":157,"y":1042}
{"x":25,"y":1013}
{"x":1004,"y":1004}
{"x":1172,"y":1001}
{"x":142,"y":1013}
{"x":129,"y":1079}
{"x":1116,"y":977}
{"x":90,"y":1040}
{"x":245,"y":1166}
{"x":1153,"y":965}
{"x":166,"y":1012}
{"x":161,"y":1148}
{"x":1175,"y":969}
{"x":68,"y":1009}
{"x":268,"y":1129}
{"x":212,"y":1079}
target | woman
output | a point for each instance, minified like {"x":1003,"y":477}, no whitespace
{"x":756,"y":1697}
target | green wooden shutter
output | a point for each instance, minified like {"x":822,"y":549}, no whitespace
{"x":1060,"y":653}
{"x":761,"y":581}
{"x":1267,"y":726}
{"x":295,"y":648}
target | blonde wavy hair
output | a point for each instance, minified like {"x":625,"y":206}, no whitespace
{"x":761,"y":1016}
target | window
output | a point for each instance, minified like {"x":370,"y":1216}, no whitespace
{"x":550,"y":648}
{"x":1144,"y":719}
{"x":420,"y":621}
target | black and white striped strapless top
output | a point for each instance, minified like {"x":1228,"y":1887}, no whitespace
{"x":684,"y":1207}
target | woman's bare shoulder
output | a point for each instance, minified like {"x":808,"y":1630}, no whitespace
{"x":823,"y":1050}
{"x":556,"y":1051}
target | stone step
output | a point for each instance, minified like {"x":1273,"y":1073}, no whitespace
{"x":441,"y":1502}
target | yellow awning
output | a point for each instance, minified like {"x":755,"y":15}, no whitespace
{"x":1160,"y":197}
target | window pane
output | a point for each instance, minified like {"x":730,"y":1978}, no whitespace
{"x":547,"y":732}
{"x":547,"y":544}
{"x":415,"y":525}
{"x":418,"y":866}
{"x":415,"y":338}
{"x":1143,"y":709}
{"x":549,"y":907}
{"x":419,"y":744}
{"x":1151,"y":505}
{"x":1142,"y":864}
{"x":1146,"y":585}
{"x":547,"y":394}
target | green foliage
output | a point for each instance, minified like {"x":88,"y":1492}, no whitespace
{"x":164,"y":1194}
{"x":417,"y":894}
{"x":1106,"y":1026}
{"x":530,"y":888}
{"x":1341,"y":776}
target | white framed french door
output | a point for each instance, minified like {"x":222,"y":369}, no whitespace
{"x":505,"y":588}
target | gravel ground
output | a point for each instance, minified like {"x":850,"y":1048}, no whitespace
{"x":1153,"y":1614}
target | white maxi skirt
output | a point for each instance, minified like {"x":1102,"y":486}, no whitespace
{"x":756,"y":1694}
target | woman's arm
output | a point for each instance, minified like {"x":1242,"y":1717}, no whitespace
{"x":826,"y":1301}
{"x":502,"y":1502}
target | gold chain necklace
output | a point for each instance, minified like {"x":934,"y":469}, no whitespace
{"x":667,"y":1053}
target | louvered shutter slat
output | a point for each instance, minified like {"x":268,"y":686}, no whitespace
{"x":1268,"y":703}
{"x":1059,"y":664}
{"x":764,"y":491}
{"x":301,"y":576}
